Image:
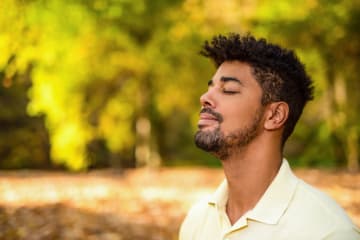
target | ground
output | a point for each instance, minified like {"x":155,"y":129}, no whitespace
{"x":144,"y":204}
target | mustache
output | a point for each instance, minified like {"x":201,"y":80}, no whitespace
{"x":217,"y":115}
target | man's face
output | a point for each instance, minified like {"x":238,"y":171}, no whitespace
{"x":231,"y":110}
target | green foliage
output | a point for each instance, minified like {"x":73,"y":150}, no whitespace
{"x":116,"y":81}
{"x":325,"y":37}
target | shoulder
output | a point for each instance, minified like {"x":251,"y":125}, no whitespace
{"x":321,"y":203}
{"x":320,"y":213}
{"x":197,"y":213}
{"x":344,"y":233}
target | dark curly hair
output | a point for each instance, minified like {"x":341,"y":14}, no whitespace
{"x":279,"y":72}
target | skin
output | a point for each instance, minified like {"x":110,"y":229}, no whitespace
{"x":249,"y":169}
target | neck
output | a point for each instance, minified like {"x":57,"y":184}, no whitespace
{"x":249,"y":172}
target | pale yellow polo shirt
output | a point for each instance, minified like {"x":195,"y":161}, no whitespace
{"x":290,"y":209}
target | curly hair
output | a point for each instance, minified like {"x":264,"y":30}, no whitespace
{"x":278,"y":71}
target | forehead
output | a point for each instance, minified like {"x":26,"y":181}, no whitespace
{"x":236,"y":69}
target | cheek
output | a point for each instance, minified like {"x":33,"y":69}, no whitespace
{"x":233,"y":119}
{"x":238,"y":117}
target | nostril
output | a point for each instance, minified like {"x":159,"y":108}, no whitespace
{"x":205,"y":100}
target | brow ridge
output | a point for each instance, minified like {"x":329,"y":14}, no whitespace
{"x":231,"y":79}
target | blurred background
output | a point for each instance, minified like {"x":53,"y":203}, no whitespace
{"x":115,"y":84}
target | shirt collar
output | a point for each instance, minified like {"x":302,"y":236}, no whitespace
{"x":274,"y":201}
{"x":220,"y":196}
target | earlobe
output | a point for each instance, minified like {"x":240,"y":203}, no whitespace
{"x":277,"y":115}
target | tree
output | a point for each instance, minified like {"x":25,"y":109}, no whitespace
{"x":117,"y":82}
{"x":325,"y":35}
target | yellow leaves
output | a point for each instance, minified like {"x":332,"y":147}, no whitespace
{"x":45,"y":98}
{"x":129,"y":61}
{"x":70,"y":52}
{"x":12,"y":34}
{"x":284,"y":10}
{"x":55,"y":94}
{"x":68,"y":140}
{"x":212,"y":15}
{"x":100,"y":4}
{"x":69,"y":132}
{"x":172,"y":98}
{"x":138,"y":204}
{"x":116,"y":124}
{"x":179,"y":31}
{"x":105,"y":63}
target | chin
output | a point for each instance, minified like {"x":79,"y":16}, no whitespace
{"x":207,"y":127}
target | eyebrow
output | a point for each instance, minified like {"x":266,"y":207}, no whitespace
{"x":226,"y":79}
{"x":231,"y":79}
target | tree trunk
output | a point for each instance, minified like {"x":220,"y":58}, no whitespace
{"x":353,"y":151}
{"x":146,"y":152}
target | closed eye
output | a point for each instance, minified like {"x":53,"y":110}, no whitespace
{"x":229,"y":92}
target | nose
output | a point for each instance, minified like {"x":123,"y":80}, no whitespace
{"x":207,"y":100}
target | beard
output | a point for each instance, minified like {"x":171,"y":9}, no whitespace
{"x":221,"y":145}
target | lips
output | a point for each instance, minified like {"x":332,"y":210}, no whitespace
{"x":207,"y":116}
{"x":207,"y":119}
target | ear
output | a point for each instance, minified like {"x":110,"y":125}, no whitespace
{"x":276,"y":115}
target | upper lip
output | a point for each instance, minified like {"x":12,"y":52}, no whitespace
{"x":207,"y":116}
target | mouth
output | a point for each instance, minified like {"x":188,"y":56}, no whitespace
{"x":207,"y":119}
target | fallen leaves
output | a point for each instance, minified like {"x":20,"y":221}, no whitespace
{"x":135,"y":204}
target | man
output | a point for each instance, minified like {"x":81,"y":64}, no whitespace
{"x":250,"y":109}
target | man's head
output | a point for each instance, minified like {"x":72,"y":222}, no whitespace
{"x":279,"y":74}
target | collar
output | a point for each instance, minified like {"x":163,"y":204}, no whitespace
{"x":274,"y":201}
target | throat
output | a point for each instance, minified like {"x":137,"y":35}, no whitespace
{"x":237,"y":206}
{"x":247,"y":182}
{"x":234,"y":213}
